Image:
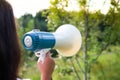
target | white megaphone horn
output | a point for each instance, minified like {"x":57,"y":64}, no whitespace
{"x":66,"y":40}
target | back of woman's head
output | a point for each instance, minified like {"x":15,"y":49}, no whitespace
{"x":9,"y":46}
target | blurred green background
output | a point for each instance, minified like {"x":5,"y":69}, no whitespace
{"x":99,"y":56}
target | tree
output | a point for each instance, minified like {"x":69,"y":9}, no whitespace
{"x":40,"y":20}
{"x":26,"y":22}
{"x":99,"y":31}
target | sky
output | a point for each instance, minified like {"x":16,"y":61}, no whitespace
{"x":21,"y":7}
{"x":102,"y":5}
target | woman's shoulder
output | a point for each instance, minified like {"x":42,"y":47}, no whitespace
{"x":22,"y":79}
{"x":18,"y":79}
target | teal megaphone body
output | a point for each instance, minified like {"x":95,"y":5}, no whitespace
{"x":36,"y":39}
{"x":66,"y":40}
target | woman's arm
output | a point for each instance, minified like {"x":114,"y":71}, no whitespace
{"x":47,"y":67}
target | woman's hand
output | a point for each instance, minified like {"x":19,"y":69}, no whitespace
{"x":47,"y":67}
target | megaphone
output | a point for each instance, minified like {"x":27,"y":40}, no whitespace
{"x":66,"y":40}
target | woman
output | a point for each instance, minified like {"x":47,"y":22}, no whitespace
{"x":10,"y":53}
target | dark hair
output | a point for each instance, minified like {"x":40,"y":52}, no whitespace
{"x":9,"y":44}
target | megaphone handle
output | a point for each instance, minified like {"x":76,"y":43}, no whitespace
{"x":41,"y":54}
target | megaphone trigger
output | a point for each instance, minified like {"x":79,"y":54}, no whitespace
{"x":41,"y":54}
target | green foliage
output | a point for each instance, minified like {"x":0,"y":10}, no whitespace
{"x":31,"y":70}
{"x":99,"y":31}
{"x":26,"y":23}
{"x":40,"y":20}
{"x":106,"y":67}
{"x":58,"y":15}
{"x":98,"y":58}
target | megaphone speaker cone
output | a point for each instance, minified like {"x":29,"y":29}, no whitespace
{"x":68,"y":40}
